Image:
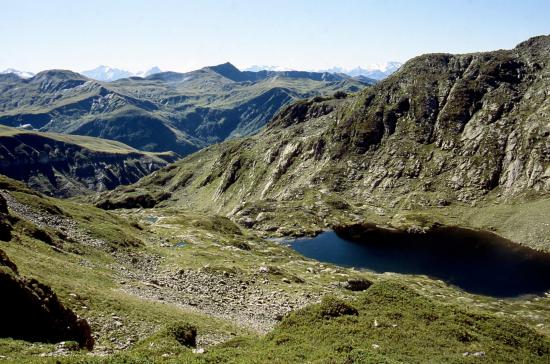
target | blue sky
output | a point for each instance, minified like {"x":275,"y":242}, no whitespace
{"x":301,"y":34}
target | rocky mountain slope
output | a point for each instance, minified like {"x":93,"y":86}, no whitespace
{"x":66,"y":165}
{"x":167,"y":111}
{"x":446,"y":134}
{"x":33,"y":312}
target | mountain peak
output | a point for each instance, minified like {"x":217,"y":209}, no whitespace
{"x":106,"y":73}
{"x":229,"y":71}
{"x":59,"y":74}
{"x":541,"y":42}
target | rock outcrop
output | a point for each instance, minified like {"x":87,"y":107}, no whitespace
{"x":5,"y":221}
{"x":31,"y":311}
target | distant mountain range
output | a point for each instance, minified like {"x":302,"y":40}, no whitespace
{"x":376,"y":72}
{"x":167,"y":111}
{"x":108,"y":74}
{"x":101,"y":73}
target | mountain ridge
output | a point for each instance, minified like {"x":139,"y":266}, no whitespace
{"x":66,"y":165}
{"x":167,"y":111}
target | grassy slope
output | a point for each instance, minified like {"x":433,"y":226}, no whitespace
{"x":91,"y":274}
{"x":91,"y":143}
{"x":435,"y":322}
{"x":393,"y":324}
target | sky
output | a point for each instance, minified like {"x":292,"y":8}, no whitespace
{"x":298,"y":34}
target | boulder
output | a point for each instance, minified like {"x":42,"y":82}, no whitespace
{"x":357,"y":284}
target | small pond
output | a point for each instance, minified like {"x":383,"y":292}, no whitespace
{"x":477,"y":262}
{"x":151,"y":219}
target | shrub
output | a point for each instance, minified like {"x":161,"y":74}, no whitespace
{"x":340,"y":95}
{"x":334,"y":307}
{"x":184,"y":333}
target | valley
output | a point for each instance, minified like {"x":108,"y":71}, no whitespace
{"x":129,"y":275}
{"x":474,"y":156}
{"x":184,"y":194}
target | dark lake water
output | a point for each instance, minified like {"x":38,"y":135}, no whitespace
{"x":477,"y":262}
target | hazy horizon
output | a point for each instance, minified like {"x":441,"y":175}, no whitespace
{"x":305,"y":35}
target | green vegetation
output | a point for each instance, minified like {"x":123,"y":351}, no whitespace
{"x":389,"y":323}
{"x":103,"y":284}
{"x":182,"y":271}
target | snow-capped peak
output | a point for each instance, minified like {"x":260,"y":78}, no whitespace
{"x":375,"y":71}
{"x":108,"y":74}
{"x":149,"y":72}
{"x":22,"y":74}
{"x":257,"y":68}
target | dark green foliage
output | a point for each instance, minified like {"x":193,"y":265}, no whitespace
{"x":334,"y":307}
{"x":5,"y":221}
{"x":3,"y":205}
{"x":300,"y":111}
{"x":40,"y":234}
{"x":144,"y":200}
{"x":184,"y":333}
{"x":357,"y":284}
{"x":5,"y":228}
{"x":240,"y":244}
{"x":340,"y":95}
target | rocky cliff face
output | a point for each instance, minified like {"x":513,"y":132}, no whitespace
{"x":70,"y":166}
{"x":459,"y":130}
